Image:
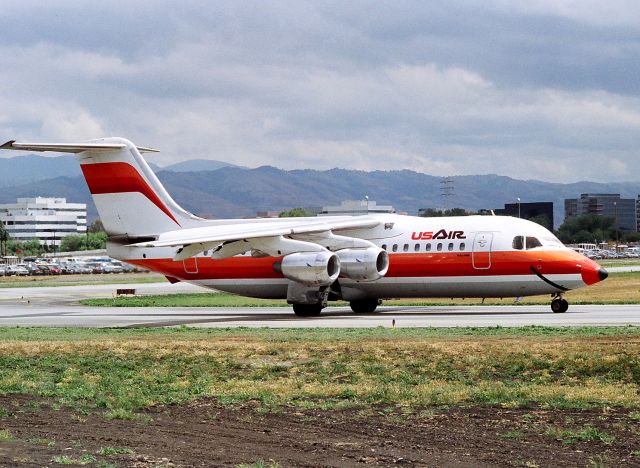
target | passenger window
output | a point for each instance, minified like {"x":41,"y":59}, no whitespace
{"x":405,"y":248}
{"x":518,"y":243}
{"x":417,"y":248}
{"x":439,"y":247}
{"x":462,"y":247}
{"x":450,"y":246}
{"x":532,"y":243}
{"x":395,"y":247}
{"x":427,"y":247}
{"x":384,"y":246}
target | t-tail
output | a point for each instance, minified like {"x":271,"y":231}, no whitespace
{"x":132,"y":203}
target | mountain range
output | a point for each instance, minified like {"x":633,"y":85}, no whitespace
{"x":214,"y":189}
{"x":33,"y":168}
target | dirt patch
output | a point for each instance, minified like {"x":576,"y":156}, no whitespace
{"x":206,"y":433}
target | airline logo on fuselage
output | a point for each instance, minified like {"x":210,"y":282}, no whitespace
{"x":441,"y":234}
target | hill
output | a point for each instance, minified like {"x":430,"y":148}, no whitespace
{"x":197,"y":165}
{"x":31,"y":168}
{"x":232,"y":192}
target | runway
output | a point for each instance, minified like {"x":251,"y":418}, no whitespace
{"x":57,"y":307}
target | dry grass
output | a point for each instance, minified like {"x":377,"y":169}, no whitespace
{"x":126,"y":371}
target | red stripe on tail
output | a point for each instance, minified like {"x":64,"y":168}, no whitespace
{"x":119,"y":177}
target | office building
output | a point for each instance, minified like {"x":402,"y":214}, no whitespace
{"x":46,"y":219}
{"x":356,"y":207}
{"x":529,"y":210}
{"x":623,"y":210}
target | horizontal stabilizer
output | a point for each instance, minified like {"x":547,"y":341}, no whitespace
{"x":69,"y":147}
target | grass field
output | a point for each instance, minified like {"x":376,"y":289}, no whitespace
{"x":79,"y":280}
{"x":619,"y":262}
{"x":124,"y":370}
{"x":619,"y":288}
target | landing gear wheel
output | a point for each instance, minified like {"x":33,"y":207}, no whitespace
{"x":364,"y":306}
{"x":307,"y":310}
{"x":559,"y":306}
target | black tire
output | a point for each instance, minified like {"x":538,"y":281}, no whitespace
{"x":307,"y":310}
{"x":559,"y":306}
{"x":364,"y":306}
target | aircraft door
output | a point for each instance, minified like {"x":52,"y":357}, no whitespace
{"x":481,"y":255}
{"x":190,"y":265}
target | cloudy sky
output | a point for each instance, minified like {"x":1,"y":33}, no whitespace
{"x":533,"y":89}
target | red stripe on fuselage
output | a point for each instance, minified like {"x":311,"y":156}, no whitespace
{"x":400,"y":265}
{"x":119,"y":177}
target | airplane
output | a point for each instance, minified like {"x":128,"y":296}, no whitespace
{"x":312,"y":260}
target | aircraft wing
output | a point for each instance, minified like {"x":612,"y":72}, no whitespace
{"x":266,"y":236}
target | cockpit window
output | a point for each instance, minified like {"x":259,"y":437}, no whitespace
{"x":533,"y":242}
{"x":552,"y":241}
{"x":518,"y":243}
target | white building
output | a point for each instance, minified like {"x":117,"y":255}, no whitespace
{"x":356,"y":207}
{"x":46,"y":219}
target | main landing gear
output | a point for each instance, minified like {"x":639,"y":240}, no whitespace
{"x":307,"y":310}
{"x":365,"y":306}
{"x":559,"y":304}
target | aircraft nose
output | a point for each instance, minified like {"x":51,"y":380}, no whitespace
{"x":603,"y":274}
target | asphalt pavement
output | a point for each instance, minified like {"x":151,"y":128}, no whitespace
{"x":58,"y":307}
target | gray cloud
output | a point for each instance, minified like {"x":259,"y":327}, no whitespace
{"x":544,"y":90}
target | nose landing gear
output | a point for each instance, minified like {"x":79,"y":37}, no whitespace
{"x":559,"y":304}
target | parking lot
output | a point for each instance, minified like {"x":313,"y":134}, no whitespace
{"x":65,"y":266}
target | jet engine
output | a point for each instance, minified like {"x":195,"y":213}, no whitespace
{"x":311,"y":268}
{"x":363,"y":264}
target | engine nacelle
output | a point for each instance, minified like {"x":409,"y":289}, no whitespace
{"x":311,"y":268}
{"x":363,"y":264}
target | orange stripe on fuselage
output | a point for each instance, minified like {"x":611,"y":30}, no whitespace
{"x":119,"y":177}
{"x":400,"y":265}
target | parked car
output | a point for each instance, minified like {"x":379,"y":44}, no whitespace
{"x":81,"y":269}
{"x":17,"y":270}
{"x":128,"y":268}
{"x":38,"y":270}
{"x":112,"y":268}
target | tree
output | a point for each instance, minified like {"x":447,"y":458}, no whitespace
{"x":73,"y":243}
{"x":97,"y":226}
{"x":91,"y":241}
{"x":587,"y":228}
{"x":542,"y":220}
{"x":31,"y":248}
{"x":631,"y":236}
{"x":4,"y":237}
{"x":295,"y":213}
{"x":96,"y":240}
{"x":433,"y":213}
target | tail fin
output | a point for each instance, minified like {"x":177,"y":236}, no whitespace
{"x":130,"y":199}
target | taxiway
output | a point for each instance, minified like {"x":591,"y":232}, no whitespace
{"x":57,"y":307}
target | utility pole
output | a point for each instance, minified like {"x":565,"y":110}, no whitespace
{"x":447,"y":192}
{"x":615,"y":225}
